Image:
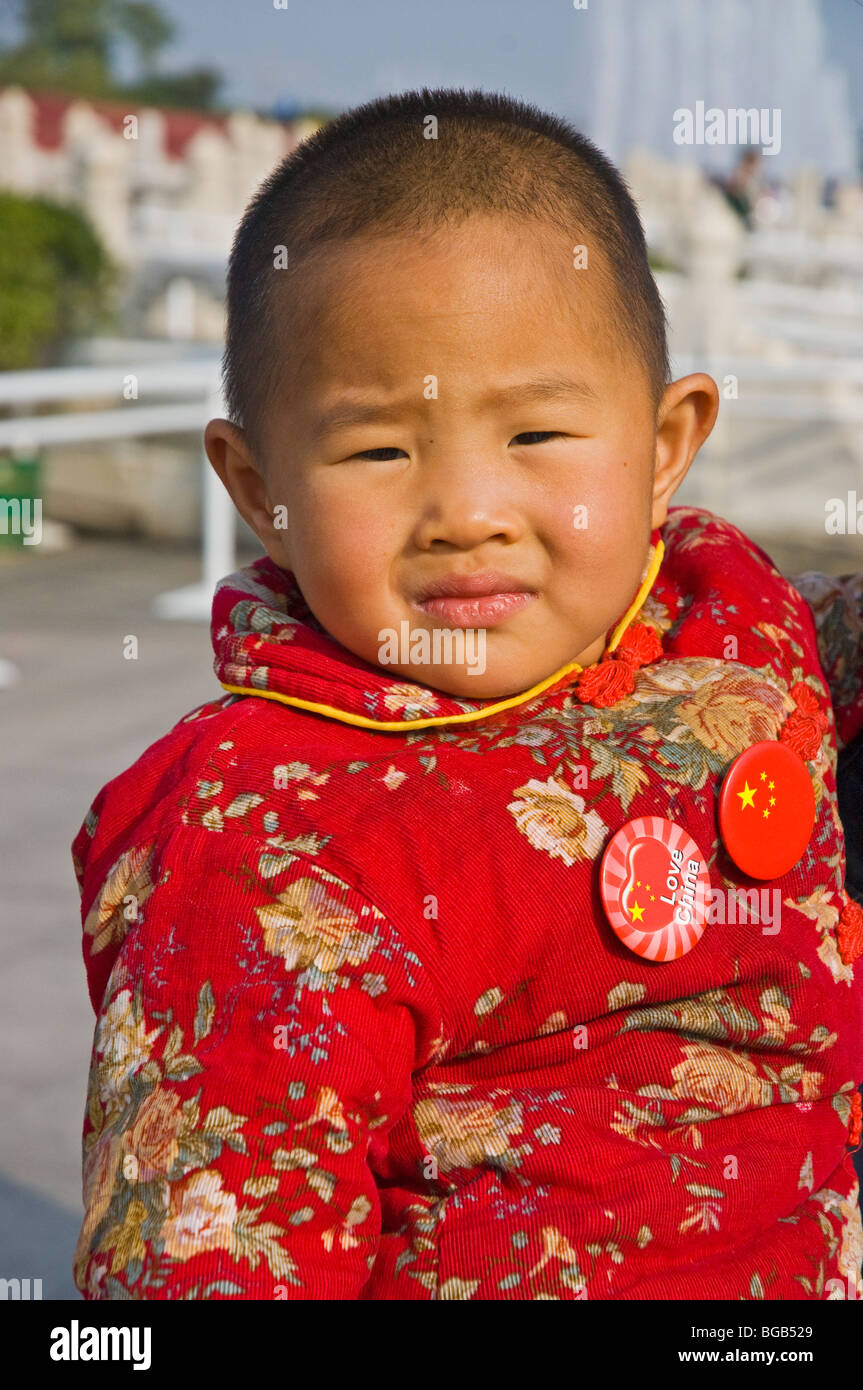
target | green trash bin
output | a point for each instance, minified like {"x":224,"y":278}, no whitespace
{"x":20,"y":492}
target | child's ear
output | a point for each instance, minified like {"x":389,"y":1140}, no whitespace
{"x":686,"y":415}
{"x":231,"y":455}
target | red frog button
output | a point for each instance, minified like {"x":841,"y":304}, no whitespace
{"x":655,"y":888}
{"x":766,"y":810}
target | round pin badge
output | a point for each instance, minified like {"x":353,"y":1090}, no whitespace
{"x":766,"y":810}
{"x":655,"y":888}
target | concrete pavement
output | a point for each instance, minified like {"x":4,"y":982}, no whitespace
{"x":78,"y":714}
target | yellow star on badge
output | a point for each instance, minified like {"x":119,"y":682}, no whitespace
{"x":763,"y":777}
{"x":637,"y":912}
{"x":747,"y":796}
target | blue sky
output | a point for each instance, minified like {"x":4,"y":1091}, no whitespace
{"x":340,"y":52}
{"x":336,"y":53}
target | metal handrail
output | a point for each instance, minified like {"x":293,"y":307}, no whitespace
{"x":200,"y":380}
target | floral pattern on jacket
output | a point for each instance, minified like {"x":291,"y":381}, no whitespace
{"x":364,"y":1032}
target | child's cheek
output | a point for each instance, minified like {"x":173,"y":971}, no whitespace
{"x":602,"y":511}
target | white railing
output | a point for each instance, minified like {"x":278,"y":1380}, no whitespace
{"x":835,"y":394}
{"x":202,"y":236}
{"x":199,"y":381}
{"x":804,"y":253}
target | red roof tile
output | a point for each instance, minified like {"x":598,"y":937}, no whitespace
{"x":180,"y":126}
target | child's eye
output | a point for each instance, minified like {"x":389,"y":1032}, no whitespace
{"x":530,"y":436}
{"x":537,"y":436}
{"x":367,"y":453}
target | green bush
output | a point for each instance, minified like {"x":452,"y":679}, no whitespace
{"x":55,"y":280}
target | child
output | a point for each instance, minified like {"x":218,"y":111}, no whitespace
{"x":379,"y":1012}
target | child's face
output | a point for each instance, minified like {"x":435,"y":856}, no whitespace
{"x":556,"y":494}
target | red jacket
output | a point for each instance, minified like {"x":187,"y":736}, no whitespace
{"x":363,"y":1028}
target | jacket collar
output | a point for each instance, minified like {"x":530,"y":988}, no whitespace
{"x":268,"y":643}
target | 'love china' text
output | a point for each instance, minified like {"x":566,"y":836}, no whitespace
{"x":681,"y":886}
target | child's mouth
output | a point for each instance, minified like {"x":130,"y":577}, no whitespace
{"x":485,"y":610}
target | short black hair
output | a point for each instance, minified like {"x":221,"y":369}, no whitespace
{"x":373,"y":171}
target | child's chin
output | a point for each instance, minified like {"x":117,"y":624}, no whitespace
{"x":487,"y":685}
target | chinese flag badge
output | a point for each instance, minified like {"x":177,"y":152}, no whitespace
{"x":766,"y":810}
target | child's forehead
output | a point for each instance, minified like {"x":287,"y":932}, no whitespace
{"x":500,"y":268}
{"x":472,"y":300}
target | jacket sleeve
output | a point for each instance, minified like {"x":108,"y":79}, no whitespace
{"x":837,"y":607}
{"x":253,"y":1049}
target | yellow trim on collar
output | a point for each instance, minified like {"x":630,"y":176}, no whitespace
{"x":472,"y":715}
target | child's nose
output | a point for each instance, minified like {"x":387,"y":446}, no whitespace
{"x":465,"y":511}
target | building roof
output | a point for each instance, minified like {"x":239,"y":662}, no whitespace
{"x":180,"y":126}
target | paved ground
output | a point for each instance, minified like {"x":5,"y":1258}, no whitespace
{"x":79,"y":715}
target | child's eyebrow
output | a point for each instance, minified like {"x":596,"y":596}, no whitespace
{"x":545,"y":388}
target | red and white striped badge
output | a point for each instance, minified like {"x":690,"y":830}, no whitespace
{"x":655,"y":888}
